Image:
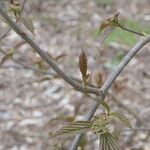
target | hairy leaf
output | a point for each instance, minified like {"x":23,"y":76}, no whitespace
{"x":104,"y":25}
{"x":99,"y":125}
{"x":107,"y":27}
{"x":105,"y":34}
{"x":73,"y":129}
{"x":107,"y":142}
{"x":15,"y":7}
{"x":122,"y":118}
{"x":28,"y":23}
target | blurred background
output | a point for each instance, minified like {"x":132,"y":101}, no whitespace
{"x":34,"y":101}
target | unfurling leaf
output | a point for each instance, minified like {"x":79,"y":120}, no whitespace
{"x":105,"y":34}
{"x":15,"y":7}
{"x":99,"y":126}
{"x":106,"y":106}
{"x":107,"y":27}
{"x":104,"y":25}
{"x":117,"y":130}
{"x":98,"y":79}
{"x":83,"y":64}
{"x":83,"y":67}
{"x":28,"y":23}
{"x":112,"y":21}
{"x":108,"y":142}
{"x":122,"y":118}
{"x":73,"y":129}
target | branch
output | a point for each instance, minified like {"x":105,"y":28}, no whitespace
{"x":100,"y":92}
{"x":36,"y":70}
{"x":107,"y":84}
{"x":24,"y":36}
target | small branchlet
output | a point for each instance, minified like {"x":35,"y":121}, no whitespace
{"x":111,"y":23}
{"x":99,"y":126}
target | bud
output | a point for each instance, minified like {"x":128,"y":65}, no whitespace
{"x":15,"y":7}
{"x":83,"y":64}
{"x":98,"y":79}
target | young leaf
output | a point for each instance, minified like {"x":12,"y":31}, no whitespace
{"x":113,"y":145}
{"x":112,"y":21}
{"x":105,"y":34}
{"x":15,"y":7}
{"x":106,"y":106}
{"x":107,"y":27}
{"x":28,"y":23}
{"x":103,"y":142}
{"x":83,"y":64}
{"x":122,"y":118}
{"x":99,"y":125}
{"x":107,"y":142}
{"x":73,"y":129}
{"x":104,"y":25}
{"x":98,"y":79}
{"x":83,"y":67}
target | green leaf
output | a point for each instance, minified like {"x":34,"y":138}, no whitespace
{"x":73,"y":129}
{"x":108,"y":142}
{"x":122,"y":118}
{"x":103,"y":142}
{"x":112,"y":142}
{"x":106,"y":106}
{"x":28,"y":23}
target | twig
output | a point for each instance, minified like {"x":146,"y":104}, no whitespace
{"x":107,"y":84}
{"x":126,"y":29}
{"x":44,"y":72}
{"x":5,"y":34}
{"x":74,"y":84}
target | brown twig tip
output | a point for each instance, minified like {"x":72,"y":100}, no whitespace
{"x":83,"y":64}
